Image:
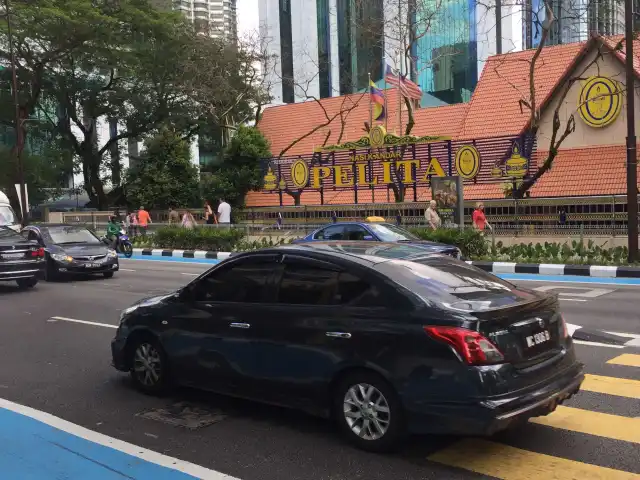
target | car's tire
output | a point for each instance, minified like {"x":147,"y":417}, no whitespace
{"x":25,"y":283}
{"x":148,"y":364}
{"x":376,"y":425}
{"x":51,"y":273}
{"x":108,"y":274}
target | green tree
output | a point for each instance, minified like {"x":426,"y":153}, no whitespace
{"x":164,"y":175}
{"x":240,"y":171}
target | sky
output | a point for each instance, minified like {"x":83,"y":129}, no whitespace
{"x":247,"y":14}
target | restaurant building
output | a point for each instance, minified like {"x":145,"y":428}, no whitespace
{"x":582,"y":85}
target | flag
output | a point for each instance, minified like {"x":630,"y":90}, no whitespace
{"x":407,"y":88}
{"x":378,"y":101}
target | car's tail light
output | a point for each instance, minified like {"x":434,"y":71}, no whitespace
{"x":473,"y":347}
{"x":564,"y":331}
{"x":37,"y":253}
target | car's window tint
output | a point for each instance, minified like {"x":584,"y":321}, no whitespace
{"x":453,"y":284}
{"x":354,"y":291}
{"x":331,"y":233}
{"x":355,"y":232}
{"x":304,"y":284}
{"x":244,"y":282}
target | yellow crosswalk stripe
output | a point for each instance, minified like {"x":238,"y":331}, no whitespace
{"x":626,"y":429}
{"x":510,"y":463}
{"x":626,"y":359}
{"x":621,"y":387}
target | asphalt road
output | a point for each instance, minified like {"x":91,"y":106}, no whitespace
{"x":62,"y":367}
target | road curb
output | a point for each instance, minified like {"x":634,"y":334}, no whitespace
{"x":159,"y":252}
{"x":600,"y":271}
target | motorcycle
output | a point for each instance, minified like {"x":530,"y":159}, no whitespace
{"x":123,"y":245}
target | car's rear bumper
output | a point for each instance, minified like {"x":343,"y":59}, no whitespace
{"x":14,"y":271}
{"x":492,"y":414}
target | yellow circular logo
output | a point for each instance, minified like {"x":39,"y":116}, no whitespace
{"x":467,"y":161}
{"x":600,"y":101}
{"x":376,"y":136}
{"x":300,"y":173}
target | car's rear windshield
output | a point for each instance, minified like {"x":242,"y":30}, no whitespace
{"x":453,"y":284}
{"x":67,"y":235}
{"x":374,"y":249}
{"x":390,"y":233}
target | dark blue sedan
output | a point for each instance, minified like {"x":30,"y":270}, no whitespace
{"x":381,"y":232}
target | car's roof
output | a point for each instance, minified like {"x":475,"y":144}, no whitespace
{"x":363,"y":252}
{"x":58,"y":225}
{"x":357,"y":223}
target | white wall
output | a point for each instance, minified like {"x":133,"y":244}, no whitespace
{"x":269,"y":13}
{"x":304,"y":36}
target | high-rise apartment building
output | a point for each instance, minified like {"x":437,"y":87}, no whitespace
{"x":323,"y":48}
{"x":218,"y":16}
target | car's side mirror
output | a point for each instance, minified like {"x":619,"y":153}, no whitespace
{"x":368,"y":237}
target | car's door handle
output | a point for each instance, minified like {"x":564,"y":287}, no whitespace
{"x":338,"y":334}
{"x":239,"y":325}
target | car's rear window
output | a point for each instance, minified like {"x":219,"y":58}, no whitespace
{"x":453,"y":284}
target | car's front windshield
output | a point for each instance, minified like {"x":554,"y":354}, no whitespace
{"x":390,"y":233}
{"x":7,"y":217}
{"x":67,"y":235}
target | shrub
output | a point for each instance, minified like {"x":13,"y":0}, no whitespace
{"x":471,"y":243}
{"x":199,"y":238}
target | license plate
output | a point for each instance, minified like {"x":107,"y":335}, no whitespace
{"x":92,"y":265}
{"x":11,"y":256}
{"x":538,"y":338}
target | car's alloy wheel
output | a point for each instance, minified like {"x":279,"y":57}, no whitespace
{"x":148,"y":368}
{"x":369,"y":412}
{"x":366,"y":411}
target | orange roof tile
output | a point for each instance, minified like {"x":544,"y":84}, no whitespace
{"x":286,"y":123}
{"x":495,"y":108}
{"x":613,"y":42}
{"x":584,"y":171}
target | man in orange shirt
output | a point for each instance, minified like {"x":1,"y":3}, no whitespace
{"x":144,"y":219}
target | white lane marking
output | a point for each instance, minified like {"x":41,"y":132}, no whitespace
{"x":573,"y":299}
{"x":85,"y":322}
{"x":142,"y":453}
{"x":597,"y":344}
{"x":191,"y":274}
{"x":571,"y":328}
{"x":126,"y":270}
{"x":633,"y":343}
{"x":627,"y":335}
{"x":590,"y":292}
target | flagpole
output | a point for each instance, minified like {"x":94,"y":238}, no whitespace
{"x":370,"y":104}
{"x":399,"y":95}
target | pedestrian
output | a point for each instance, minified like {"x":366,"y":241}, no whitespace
{"x":562,"y":217}
{"x":224,"y":213}
{"x":144,"y":219}
{"x":187,"y":220}
{"x":209,"y":217}
{"x":433,"y":219}
{"x":174,"y":216}
{"x":479,"y":219}
{"x":133,"y":224}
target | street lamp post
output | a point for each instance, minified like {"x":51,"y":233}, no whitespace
{"x":18,"y":120}
{"x":632,"y":161}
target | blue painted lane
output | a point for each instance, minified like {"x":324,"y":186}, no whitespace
{"x":33,"y":450}
{"x":157,"y":258}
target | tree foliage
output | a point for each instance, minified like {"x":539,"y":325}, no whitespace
{"x":124,"y":60}
{"x":240,"y":171}
{"x":164,"y":175}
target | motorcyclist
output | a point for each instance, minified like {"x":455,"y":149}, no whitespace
{"x":113,"y":231}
